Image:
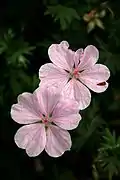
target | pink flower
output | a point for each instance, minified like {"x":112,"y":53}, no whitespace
{"x":75,"y":72}
{"x":48,"y":117}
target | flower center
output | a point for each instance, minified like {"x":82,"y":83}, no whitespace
{"x":46,"y":121}
{"x":74,"y":73}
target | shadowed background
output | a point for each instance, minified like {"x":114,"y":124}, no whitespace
{"x":27,"y":29}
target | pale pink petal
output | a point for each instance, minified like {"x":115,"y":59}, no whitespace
{"x":40,"y":98}
{"x":58,"y":141}
{"x":26,"y":110}
{"x":95,"y":77}
{"x":90,"y":57}
{"x":49,"y":96}
{"x":61,"y":56}
{"x":52,"y":75}
{"x":53,"y":83}
{"x":66,"y":114}
{"x":65,"y":106}
{"x":76,"y":90}
{"x":78,"y":56}
{"x":64,"y":44}
{"x":67,"y":122}
{"x":32,"y":138}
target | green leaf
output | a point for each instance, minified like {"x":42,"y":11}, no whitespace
{"x":63,"y":14}
{"x":14,"y":49}
{"x":102,"y":13}
{"x":108,"y":157}
{"x":90,"y":26}
{"x":99,"y":23}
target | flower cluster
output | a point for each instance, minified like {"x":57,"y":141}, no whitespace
{"x":53,"y":108}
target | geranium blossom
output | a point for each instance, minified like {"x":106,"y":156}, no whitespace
{"x":47,"y":117}
{"x":75,"y":72}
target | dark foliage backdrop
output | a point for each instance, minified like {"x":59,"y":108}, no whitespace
{"x":27,"y":29}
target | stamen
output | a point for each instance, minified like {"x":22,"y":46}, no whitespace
{"x":75,"y":72}
{"x":45,"y":121}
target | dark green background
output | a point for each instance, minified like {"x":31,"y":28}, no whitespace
{"x":28,"y":22}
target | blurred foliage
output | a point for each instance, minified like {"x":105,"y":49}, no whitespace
{"x":14,"y":49}
{"x":108,"y":158}
{"x":27,"y":29}
{"x":62,"y":13}
{"x":89,"y":128}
